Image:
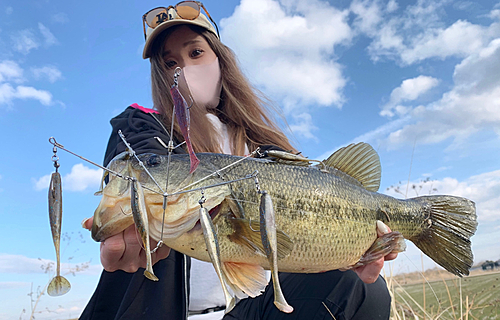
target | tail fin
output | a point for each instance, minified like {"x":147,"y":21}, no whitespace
{"x":446,"y":237}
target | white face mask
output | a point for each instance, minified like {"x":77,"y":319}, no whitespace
{"x":203,"y":82}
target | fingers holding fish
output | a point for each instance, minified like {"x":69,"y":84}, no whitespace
{"x":121,"y":252}
{"x":382,"y":229}
{"x":160,"y":254}
{"x":391,"y":256}
{"x":87,"y":223}
{"x":124,"y":251}
{"x":369,"y":273}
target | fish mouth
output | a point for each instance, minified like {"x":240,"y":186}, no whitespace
{"x":181,"y":214}
{"x":212,"y":212}
{"x":111,"y":219}
{"x":114,"y":214}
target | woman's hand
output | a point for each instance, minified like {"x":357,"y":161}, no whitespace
{"x":369,"y":273}
{"x":124,"y":251}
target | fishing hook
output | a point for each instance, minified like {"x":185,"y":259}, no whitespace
{"x":250,"y":225}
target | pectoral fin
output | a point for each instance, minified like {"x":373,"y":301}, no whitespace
{"x":235,"y":205}
{"x":247,"y":234}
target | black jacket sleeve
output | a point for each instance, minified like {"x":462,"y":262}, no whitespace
{"x":122,"y":295}
{"x":141,"y":130}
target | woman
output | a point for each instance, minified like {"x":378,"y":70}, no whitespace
{"x":226,"y":116}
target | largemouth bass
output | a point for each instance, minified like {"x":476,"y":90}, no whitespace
{"x":325,"y":215}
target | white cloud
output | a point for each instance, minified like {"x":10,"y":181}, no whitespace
{"x":373,"y":137}
{"x":9,"y":93}
{"x":49,"y":38}
{"x":24,"y":41}
{"x":60,"y":17}
{"x":9,"y":10}
{"x":483,"y":189}
{"x":12,"y":285}
{"x":419,"y":32}
{"x":42,"y":183}
{"x":460,"y":39}
{"x":303,"y":126}
{"x":472,"y":105}
{"x":79,"y":179}
{"x":368,"y":15}
{"x":494,"y":14}
{"x":43,"y":96}
{"x":287,"y":47}
{"x":409,"y":90}
{"x":19,"y":264}
{"x":392,"y":6}
{"x":10,"y":71}
{"x":50,"y":72}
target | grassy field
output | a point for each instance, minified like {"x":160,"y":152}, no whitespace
{"x":446,"y":296}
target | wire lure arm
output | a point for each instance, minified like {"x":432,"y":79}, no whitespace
{"x":132,"y":152}
{"x":53,"y":141}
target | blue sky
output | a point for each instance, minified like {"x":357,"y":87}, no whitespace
{"x":419,"y":80}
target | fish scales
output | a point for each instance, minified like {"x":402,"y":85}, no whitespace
{"x":330,"y":223}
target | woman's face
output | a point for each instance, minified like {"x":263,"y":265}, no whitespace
{"x":184,"y":47}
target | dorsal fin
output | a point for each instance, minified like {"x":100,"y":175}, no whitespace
{"x":359,"y":161}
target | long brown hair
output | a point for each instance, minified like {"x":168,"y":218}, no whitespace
{"x":241,"y":109}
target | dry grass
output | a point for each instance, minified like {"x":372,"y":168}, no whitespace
{"x":437,"y":294}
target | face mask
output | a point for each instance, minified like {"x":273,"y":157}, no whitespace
{"x":203,"y":82}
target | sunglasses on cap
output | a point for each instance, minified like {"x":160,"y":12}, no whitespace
{"x":188,"y":10}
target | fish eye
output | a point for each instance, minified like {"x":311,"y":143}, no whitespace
{"x":153,"y":160}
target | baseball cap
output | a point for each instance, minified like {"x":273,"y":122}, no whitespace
{"x":169,"y":17}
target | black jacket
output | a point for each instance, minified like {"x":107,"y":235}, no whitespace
{"x":122,"y":295}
